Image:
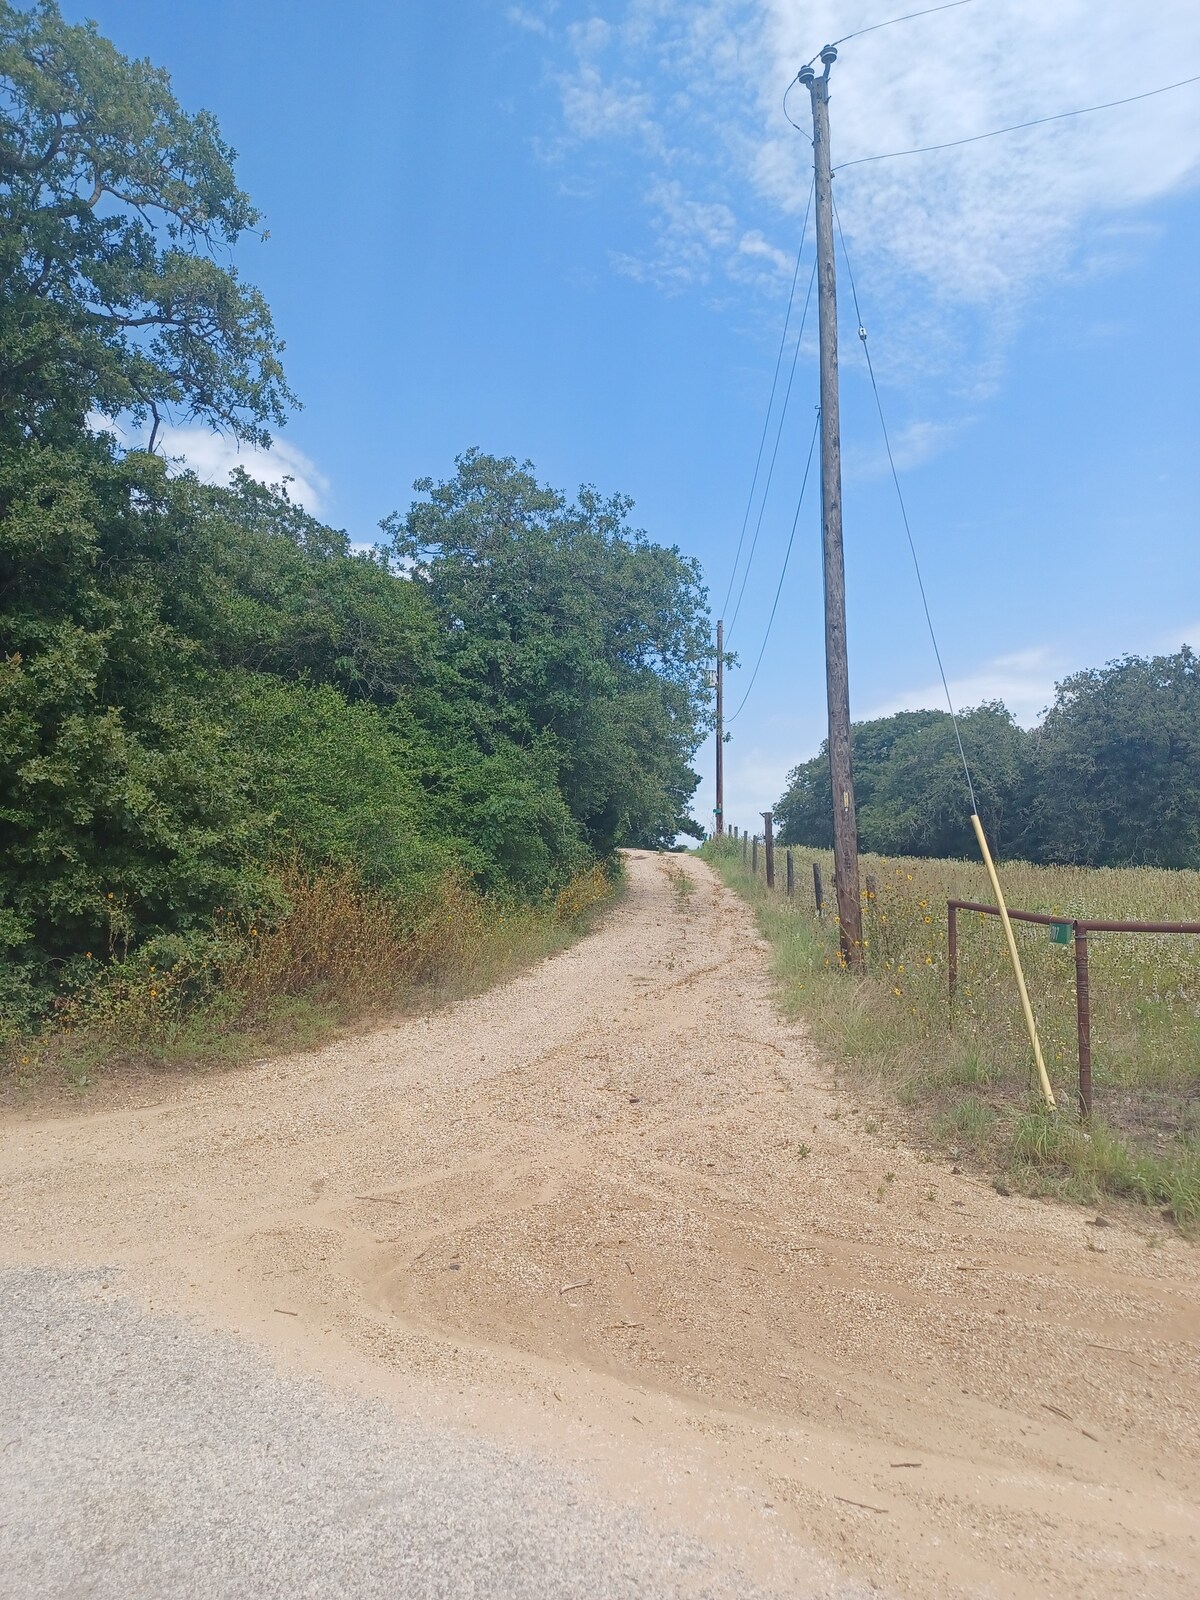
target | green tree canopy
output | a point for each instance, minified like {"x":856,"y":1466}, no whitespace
{"x":804,"y":814}
{"x":1117,"y":765}
{"x":113,"y":204}
{"x":1110,"y":778}
{"x":910,"y":789}
{"x":565,"y":625}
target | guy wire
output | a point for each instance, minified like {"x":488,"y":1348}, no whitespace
{"x":762,"y":505}
{"x":783,"y":573}
{"x":771,"y":401}
{"x":862,"y":333}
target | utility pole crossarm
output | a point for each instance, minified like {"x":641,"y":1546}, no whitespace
{"x":837,"y":670}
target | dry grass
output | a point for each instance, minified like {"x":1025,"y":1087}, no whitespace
{"x":966,"y":1075}
{"x":340,"y":954}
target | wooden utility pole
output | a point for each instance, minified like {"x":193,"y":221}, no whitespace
{"x":837,"y":672}
{"x":720,"y":729}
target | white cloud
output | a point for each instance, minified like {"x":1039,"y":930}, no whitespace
{"x":757,"y":779}
{"x":214,"y":456}
{"x":590,"y":37}
{"x":595,"y":108}
{"x":687,"y":233}
{"x":755,"y":245}
{"x":699,"y":88}
{"x":912,"y":445}
{"x":1024,"y":681}
{"x":756,"y":772}
{"x":522,"y":17}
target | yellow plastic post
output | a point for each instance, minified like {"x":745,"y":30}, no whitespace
{"x":1047,"y":1091}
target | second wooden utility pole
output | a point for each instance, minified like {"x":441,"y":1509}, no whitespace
{"x":720,"y":729}
{"x":837,"y":671}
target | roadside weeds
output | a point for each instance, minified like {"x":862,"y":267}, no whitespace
{"x":961,"y":1083}
{"x":342,"y":957}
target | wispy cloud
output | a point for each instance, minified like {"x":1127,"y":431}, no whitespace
{"x":1024,"y":681}
{"x":687,"y":233}
{"x":698,"y":91}
{"x":754,"y":245}
{"x":912,"y":445}
{"x":531,"y":21}
{"x":756,"y":776}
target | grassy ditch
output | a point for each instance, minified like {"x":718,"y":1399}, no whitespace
{"x":338,"y":955}
{"x":964,"y":1077}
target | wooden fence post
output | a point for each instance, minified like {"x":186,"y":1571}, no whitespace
{"x":952,"y":948}
{"x":769,"y":847}
{"x":1083,"y":1018}
{"x":818,"y":892}
{"x":791,"y":873}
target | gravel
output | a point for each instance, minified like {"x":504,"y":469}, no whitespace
{"x":142,"y":1456}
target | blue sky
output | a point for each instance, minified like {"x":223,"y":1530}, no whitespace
{"x":566,"y":232}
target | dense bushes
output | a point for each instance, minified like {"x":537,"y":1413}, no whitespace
{"x":214,"y":710}
{"x":201,"y":682}
{"x":1111,"y":777}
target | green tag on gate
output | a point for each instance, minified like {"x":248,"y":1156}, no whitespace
{"x":1061,"y":933}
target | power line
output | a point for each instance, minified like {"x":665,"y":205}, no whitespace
{"x":1037,"y":122}
{"x":862,"y":334}
{"x":770,"y":402}
{"x":762,"y":505}
{"x":798,"y":126}
{"x":910,"y":16}
{"x":783,"y":572}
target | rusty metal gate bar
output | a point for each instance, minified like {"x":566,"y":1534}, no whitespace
{"x":1081,"y":927}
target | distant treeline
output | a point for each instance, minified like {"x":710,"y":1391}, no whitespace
{"x":205,"y":689}
{"x":1111,"y":777}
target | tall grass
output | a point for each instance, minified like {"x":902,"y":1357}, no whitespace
{"x":964,"y":1073}
{"x":338,"y":954}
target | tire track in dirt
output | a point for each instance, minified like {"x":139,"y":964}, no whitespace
{"x":575,"y":1211}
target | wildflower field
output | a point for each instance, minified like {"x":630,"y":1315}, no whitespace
{"x":964,"y":1073}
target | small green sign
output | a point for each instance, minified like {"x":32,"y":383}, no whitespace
{"x":1061,"y":933}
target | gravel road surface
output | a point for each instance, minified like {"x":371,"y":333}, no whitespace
{"x":140,"y":1459}
{"x":587,"y":1285}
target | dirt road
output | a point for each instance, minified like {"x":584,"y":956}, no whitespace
{"x":613,"y":1210}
